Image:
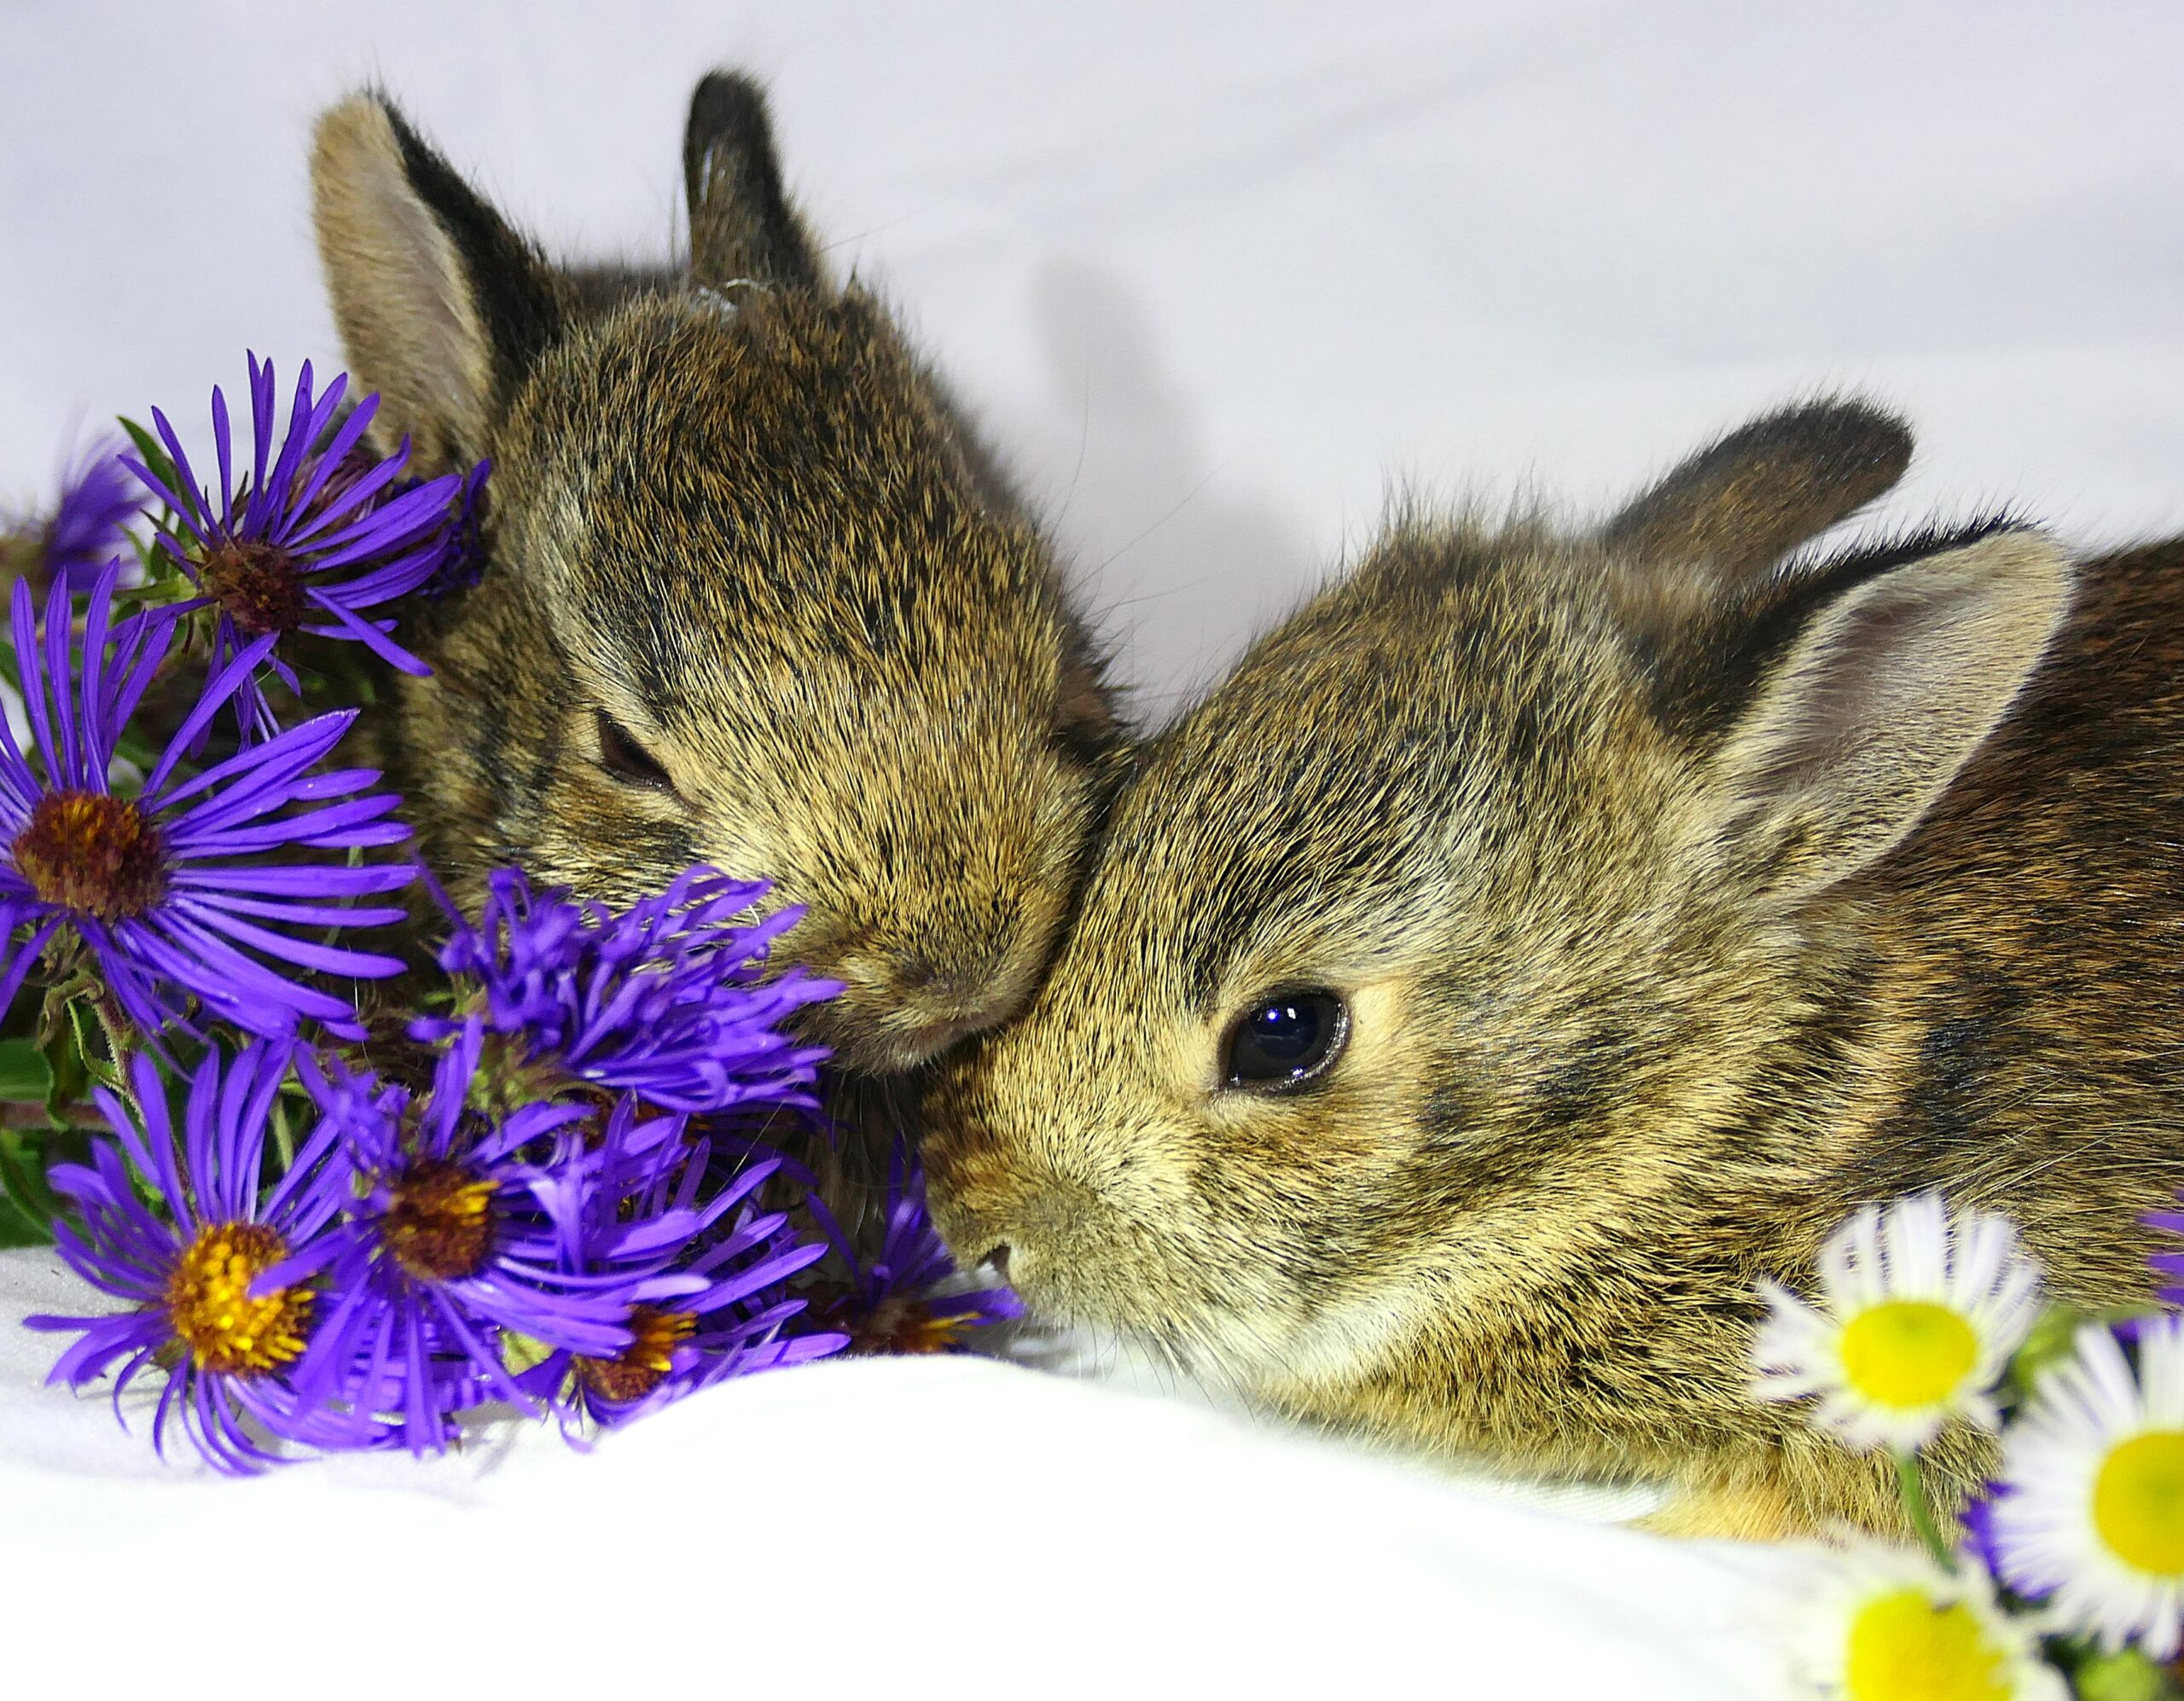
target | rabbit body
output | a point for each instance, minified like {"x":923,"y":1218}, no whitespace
{"x":1675,"y":903}
{"x":754,"y":596}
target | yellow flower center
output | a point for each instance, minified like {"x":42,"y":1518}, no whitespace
{"x":644,"y":1363}
{"x":209,"y":1305}
{"x":1905,"y":1647}
{"x":439,"y":1223}
{"x":2138,"y":1502}
{"x":88,"y":851}
{"x":907,"y":1325}
{"x":1907,"y":1353}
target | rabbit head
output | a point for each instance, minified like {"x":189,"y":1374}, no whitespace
{"x":1420,"y":995}
{"x":752,"y":595}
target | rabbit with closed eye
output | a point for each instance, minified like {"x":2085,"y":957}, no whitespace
{"x":1541,"y":938}
{"x":753,"y":596}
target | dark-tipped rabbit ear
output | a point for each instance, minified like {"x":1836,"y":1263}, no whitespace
{"x":1882,"y":676}
{"x":742,"y":228}
{"x":443,"y":308}
{"x":1738,"y":505}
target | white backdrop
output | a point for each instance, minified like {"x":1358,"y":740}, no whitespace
{"x":1214,"y":275}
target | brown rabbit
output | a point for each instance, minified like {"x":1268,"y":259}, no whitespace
{"x":754,"y":597}
{"x":1541,"y":938}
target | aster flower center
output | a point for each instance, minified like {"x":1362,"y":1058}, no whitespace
{"x":98,"y":855}
{"x":897,"y":1325}
{"x":229,"y":1332}
{"x":438,"y":1225}
{"x":642,"y":1365}
{"x":2138,"y":1502}
{"x":1906,"y":1647}
{"x":1907,"y":1353}
{"x":256,"y":583}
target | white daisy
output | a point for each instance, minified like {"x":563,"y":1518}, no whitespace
{"x":2095,"y":1509}
{"x":1890,"y":1625}
{"x":1917,"y":1317}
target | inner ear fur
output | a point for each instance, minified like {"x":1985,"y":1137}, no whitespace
{"x":742,"y":228}
{"x":442,"y":307}
{"x":1736,"y":507}
{"x":1881,"y":699}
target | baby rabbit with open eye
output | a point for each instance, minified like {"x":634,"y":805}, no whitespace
{"x":753,"y":598}
{"x":1540,"y":939}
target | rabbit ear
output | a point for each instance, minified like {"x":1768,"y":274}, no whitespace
{"x":1890,"y":674}
{"x":1736,"y":508}
{"x":442,"y":307}
{"x":742,"y":228}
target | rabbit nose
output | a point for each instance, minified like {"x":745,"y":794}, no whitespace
{"x":997,"y":1260}
{"x":958,"y":984}
{"x":906,"y":1004}
{"x":953,"y":995}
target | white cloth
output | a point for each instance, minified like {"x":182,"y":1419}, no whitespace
{"x":876,"y":1527}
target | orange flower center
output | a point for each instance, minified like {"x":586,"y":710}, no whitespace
{"x":209,"y":1302}
{"x":99,"y":855}
{"x":439,"y":1225}
{"x":256,"y":584}
{"x":642,"y":1365}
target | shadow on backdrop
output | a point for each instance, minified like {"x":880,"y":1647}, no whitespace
{"x":1179,"y":564}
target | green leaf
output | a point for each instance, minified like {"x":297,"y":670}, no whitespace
{"x":72,"y":1082}
{"x":2048,"y":1342}
{"x":520,"y":1353}
{"x":2052,"y":1340}
{"x":2126,"y":1676}
{"x":19,"y":1228}
{"x":281,"y":1134}
{"x":154,"y":456}
{"x":27,"y":1206}
{"x":25,"y":1078}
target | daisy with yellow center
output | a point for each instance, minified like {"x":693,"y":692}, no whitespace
{"x":1894,"y":1627}
{"x":2092,"y":1514}
{"x":1917,"y":1313}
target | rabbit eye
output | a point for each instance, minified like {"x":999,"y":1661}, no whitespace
{"x":1284,"y":1039}
{"x":626,"y":759}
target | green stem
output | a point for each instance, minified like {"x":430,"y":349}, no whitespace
{"x":115,"y":1026}
{"x":1911,"y":1484}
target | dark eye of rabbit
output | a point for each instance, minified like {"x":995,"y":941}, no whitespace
{"x":626,"y":759}
{"x":1284,"y":1039}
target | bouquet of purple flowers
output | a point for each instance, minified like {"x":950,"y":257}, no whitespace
{"x":344,"y":1195}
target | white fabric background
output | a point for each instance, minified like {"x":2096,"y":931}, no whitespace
{"x":1215,"y":277}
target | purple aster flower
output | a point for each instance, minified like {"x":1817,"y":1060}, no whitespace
{"x":715,"y":1310}
{"x":312,"y":536}
{"x":98,"y":499}
{"x":2167,"y":1263}
{"x":663,"y":999}
{"x":911,"y":1298}
{"x":461,"y":1234}
{"x":464,"y":564}
{"x":194,"y":1276}
{"x":1978,"y":1518}
{"x":170,"y":889}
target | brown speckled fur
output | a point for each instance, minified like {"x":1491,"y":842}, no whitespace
{"x":1680,"y":903}
{"x":732,"y":512}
